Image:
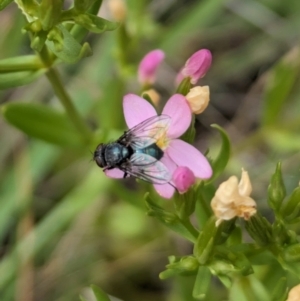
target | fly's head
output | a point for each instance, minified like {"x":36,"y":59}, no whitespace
{"x":99,"y":155}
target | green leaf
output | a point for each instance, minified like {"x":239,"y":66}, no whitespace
{"x":83,"y":5}
{"x":219,"y":164}
{"x":169,"y":219}
{"x":202,"y":283}
{"x":99,"y":294}
{"x":94,"y":23}
{"x":4,"y":3}
{"x":280,"y":84}
{"x":280,"y":291}
{"x":82,"y":299}
{"x":19,"y":78}
{"x":49,"y":13}
{"x":42,"y":122}
{"x":205,"y":242}
{"x":71,"y":51}
{"x":21,"y":63}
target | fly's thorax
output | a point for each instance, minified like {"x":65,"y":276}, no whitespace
{"x":116,"y":153}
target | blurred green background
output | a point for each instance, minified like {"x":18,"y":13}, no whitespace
{"x":63,"y":225}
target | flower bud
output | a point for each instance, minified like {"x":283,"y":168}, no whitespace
{"x":183,"y":178}
{"x":294,"y":293}
{"x":259,"y":229}
{"x":291,"y":209}
{"x":148,"y":66}
{"x":153,"y":96}
{"x":117,"y":9}
{"x":276,"y":189}
{"x":198,"y":99}
{"x":196,"y":66}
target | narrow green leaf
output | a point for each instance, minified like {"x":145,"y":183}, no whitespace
{"x":99,"y":293}
{"x":280,"y":292}
{"x":280,"y":83}
{"x":82,"y":299}
{"x":4,"y":3}
{"x":219,"y":164}
{"x":83,"y":5}
{"x":42,"y":122}
{"x":169,"y":219}
{"x":19,"y":78}
{"x":94,"y":23}
{"x":21,"y":63}
{"x":71,"y":51}
{"x":49,"y":13}
{"x":202,"y":283}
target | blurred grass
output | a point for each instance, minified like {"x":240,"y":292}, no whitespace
{"x":83,"y":228}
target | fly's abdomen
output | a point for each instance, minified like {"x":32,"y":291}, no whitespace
{"x":152,"y":150}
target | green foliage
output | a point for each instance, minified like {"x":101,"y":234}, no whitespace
{"x":99,"y":294}
{"x":281,"y":81}
{"x":4,"y":3}
{"x":219,"y":164}
{"x":63,"y":224}
{"x":42,"y":123}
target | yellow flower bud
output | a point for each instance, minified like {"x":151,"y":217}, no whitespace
{"x":154,"y":95}
{"x":117,"y":9}
{"x":198,"y":99}
{"x":232,"y":199}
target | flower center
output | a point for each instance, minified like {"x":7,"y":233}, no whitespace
{"x":162,"y":141}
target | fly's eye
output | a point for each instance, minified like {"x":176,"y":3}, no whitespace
{"x":99,"y":161}
{"x":98,"y":156}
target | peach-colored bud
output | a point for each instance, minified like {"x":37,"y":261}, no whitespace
{"x":153,"y":94}
{"x":198,"y":99}
{"x":117,"y":9}
{"x":245,"y":187}
{"x":232,"y":199}
{"x":294,"y":294}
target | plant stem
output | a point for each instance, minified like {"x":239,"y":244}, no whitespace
{"x":186,"y":222}
{"x":63,"y":96}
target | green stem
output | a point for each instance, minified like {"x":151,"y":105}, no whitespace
{"x":63,"y":96}
{"x":186,"y":222}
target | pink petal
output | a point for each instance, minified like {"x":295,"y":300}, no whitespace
{"x":178,"y":109}
{"x":148,"y":66}
{"x":179,"y":78}
{"x":136,"y":110}
{"x":197,"y":65}
{"x":184,"y":154}
{"x":164,"y":190}
{"x":183,"y":178}
{"x":115,"y":173}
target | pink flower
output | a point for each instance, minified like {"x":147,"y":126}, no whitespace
{"x":183,"y":178}
{"x":196,"y":66}
{"x":176,"y":151}
{"x":148,"y":66}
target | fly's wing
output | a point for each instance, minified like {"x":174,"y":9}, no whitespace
{"x":146,"y":133}
{"x":147,"y":168}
